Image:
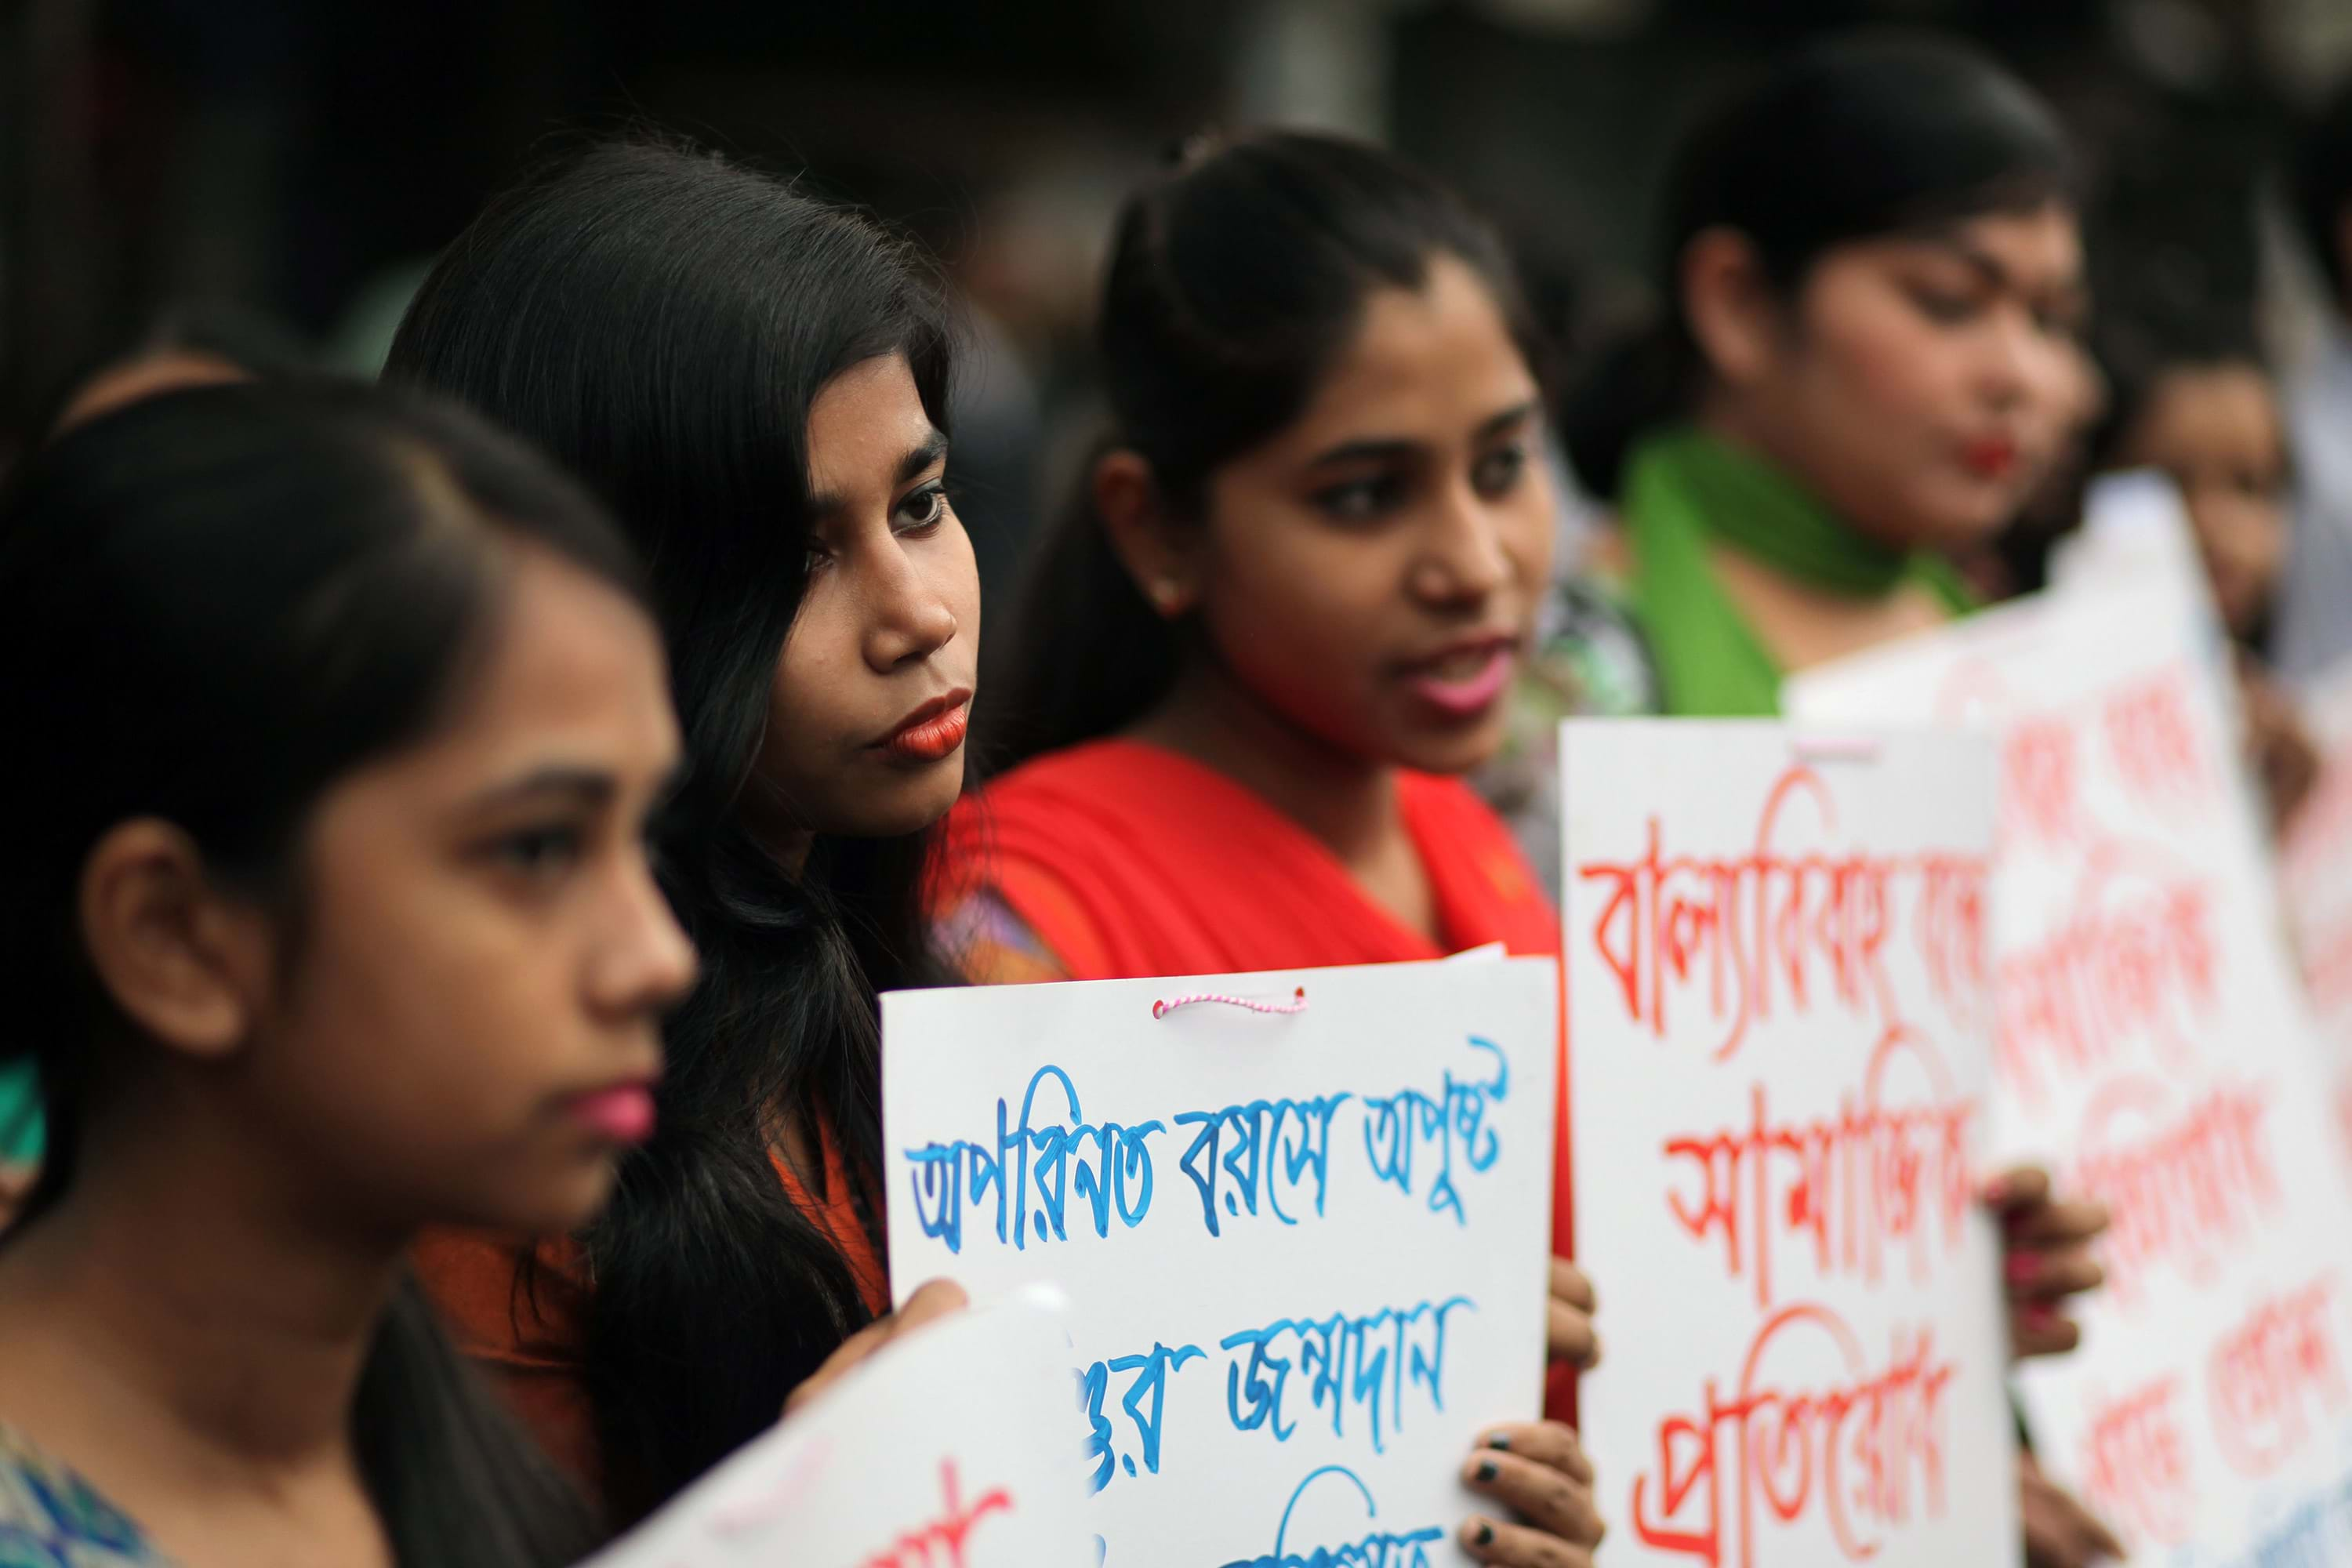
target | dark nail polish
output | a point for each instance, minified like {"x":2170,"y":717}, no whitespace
{"x":1501,"y":1440}
{"x":1487,"y":1472}
{"x":1485,"y":1535}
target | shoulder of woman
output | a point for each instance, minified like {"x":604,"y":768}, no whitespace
{"x":989,"y":943}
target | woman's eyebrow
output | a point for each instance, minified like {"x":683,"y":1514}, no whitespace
{"x":920,"y":457}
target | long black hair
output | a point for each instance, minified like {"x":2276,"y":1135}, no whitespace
{"x":662,"y":321}
{"x":1860,"y":137}
{"x":267,"y":587}
{"x":1236,"y":279}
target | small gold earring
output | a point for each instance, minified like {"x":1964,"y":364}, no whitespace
{"x":1167,"y":596}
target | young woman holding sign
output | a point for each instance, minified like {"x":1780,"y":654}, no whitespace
{"x":1869,"y":360}
{"x":1281,"y":622}
{"x":377,"y":948}
{"x":757,"y":383}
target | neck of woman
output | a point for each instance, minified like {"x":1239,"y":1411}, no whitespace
{"x":1344,"y":801}
{"x":191,"y":1289}
{"x":1801,"y":621}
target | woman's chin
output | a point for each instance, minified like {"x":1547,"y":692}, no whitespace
{"x":908,"y":803}
{"x":1451,"y":752}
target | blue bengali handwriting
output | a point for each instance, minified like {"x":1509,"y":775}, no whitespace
{"x":1454,"y":1121}
{"x":1258,"y":1157}
{"x":1375,"y":1549}
{"x":1145,"y":1400}
{"x":1246,"y":1161}
{"x":1108,"y":1165}
{"x":1364,"y":1374}
{"x":1369,"y":1364}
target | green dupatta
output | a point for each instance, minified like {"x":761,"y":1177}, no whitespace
{"x":1685,"y":491}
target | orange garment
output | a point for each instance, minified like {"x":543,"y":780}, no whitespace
{"x":1127,"y":860}
{"x":530,"y":1332}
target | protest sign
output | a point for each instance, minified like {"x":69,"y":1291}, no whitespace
{"x":948,"y":1449}
{"x":1302,"y":1220}
{"x":2155,"y":1052}
{"x":1779,"y":1052}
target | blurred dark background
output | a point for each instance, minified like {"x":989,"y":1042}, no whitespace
{"x":305,"y":158}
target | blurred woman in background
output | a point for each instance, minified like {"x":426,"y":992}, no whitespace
{"x":376,"y":948}
{"x":2193,"y":401}
{"x":1869,"y":360}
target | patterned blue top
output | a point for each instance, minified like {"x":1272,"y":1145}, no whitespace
{"x":51,"y":1518}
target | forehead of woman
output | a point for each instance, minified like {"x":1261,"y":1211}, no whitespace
{"x":568,"y":686}
{"x":2035,"y":251}
{"x":1437,"y":363}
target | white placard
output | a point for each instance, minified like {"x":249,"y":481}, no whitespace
{"x":1305,"y":1251}
{"x":948,"y":1449}
{"x":2154,"y":1053}
{"x":1779,"y":1052}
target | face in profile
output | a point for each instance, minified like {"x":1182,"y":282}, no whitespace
{"x":1924,"y":385}
{"x":463,"y":1022}
{"x":874,"y":691}
{"x":2215,"y":429}
{"x":1371,"y":574}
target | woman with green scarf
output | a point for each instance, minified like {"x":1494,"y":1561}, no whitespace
{"x":1873,"y":266}
{"x":1873,"y":272}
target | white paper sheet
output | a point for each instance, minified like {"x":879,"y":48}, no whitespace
{"x":1306,"y":1252}
{"x":2155,"y":1053}
{"x":1780,"y":1055}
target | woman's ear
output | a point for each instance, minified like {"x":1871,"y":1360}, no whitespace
{"x":1730,"y":305}
{"x":188,"y":965}
{"x":1155,"y":549}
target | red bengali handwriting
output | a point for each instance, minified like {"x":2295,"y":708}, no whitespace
{"x":2136,"y":956}
{"x":2182,"y":1184}
{"x":1777,"y":926}
{"x":2152,"y":740}
{"x":1874,"y":1177}
{"x":2274,"y":1377}
{"x":2041,"y":781}
{"x":1809,"y":1430}
{"x":941,"y":1543}
{"x":2136,"y":1466}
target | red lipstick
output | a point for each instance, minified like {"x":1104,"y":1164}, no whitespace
{"x":1991,"y":457}
{"x":932,"y":732}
